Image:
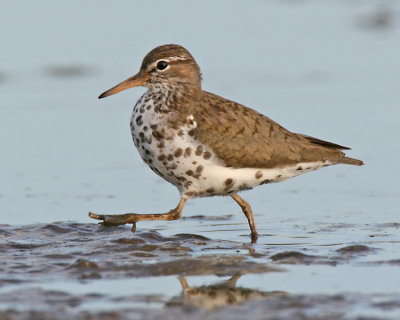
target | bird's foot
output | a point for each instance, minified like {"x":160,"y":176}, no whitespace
{"x":116,"y":219}
{"x":254,"y":237}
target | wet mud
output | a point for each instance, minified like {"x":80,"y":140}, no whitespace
{"x":35,"y":257}
{"x":206,"y":302}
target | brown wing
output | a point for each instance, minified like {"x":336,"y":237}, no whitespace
{"x":242,"y":137}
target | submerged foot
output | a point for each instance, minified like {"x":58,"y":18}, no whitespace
{"x":254,"y":237}
{"x":116,"y":219}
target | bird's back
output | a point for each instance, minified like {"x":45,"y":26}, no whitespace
{"x":244,"y":138}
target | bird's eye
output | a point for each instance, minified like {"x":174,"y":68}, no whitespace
{"x":162,"y":65}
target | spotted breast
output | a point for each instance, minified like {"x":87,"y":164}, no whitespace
{"x":173,"y":154}
{"x":207,"y":145}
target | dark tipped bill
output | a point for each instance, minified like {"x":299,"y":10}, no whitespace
{"x":135,"y":81}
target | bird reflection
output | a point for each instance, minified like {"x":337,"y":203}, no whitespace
{"x":218,"y":295}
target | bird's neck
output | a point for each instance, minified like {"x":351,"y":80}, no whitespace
{"x":172,"y":98}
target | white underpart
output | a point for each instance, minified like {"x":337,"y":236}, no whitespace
{"x":215,"y":178}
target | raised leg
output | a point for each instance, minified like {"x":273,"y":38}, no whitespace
{"x":248,"y":213}
{"x":117,"y":219}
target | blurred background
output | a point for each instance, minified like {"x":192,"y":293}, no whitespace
{"x":329,"y":69}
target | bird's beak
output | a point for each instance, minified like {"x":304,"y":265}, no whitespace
{"x":135,"y":81}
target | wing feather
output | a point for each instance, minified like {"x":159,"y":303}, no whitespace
{"x":244,"y":138}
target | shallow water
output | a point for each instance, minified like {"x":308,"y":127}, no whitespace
{"x":88,"y":269}
{"x":329,"y":240}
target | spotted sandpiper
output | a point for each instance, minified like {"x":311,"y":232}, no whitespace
{"x":206,"y":145}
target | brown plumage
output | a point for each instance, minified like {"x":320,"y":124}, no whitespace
{"x":244,"y":138}
{"x":206,"y":145}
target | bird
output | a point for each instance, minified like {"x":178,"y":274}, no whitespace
{"x":206,"y":145}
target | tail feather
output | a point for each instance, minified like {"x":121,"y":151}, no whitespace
{"x":334,"y":146}
{"x":324,"y":143}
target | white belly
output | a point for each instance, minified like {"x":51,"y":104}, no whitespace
{"x":193,"y":168}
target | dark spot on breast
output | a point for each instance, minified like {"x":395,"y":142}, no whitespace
{"x":145,"y":128}
{"x":139,"y":121}
{"x":207,"y":155}
{"x":170,"y":157}
{"x":197,"y":175}
{"x":190,"y":193}
{"x":199,"y":151}
{"x":189,"y":172}
{"x":265,"y":181}
{"x":147,"y":152}
{"x":178,"y":152}
{"x":228,"y":182}
{"x":157,"y":135}
{"x":308,"y":168}
{"x":161,"y":157}
{"x":141,"y":136}
{"x":172,"y":173}
{"x":244,"y":186}
{"x":161,"y":145}
{"x":278,"y":176}
{"x":188,"y":152}
{"x":180,"y":133}
{"x":172,"y":166}
{"x":149,"y":106}
{"x":182,"y":179}
{"x":194,"y":162}
{"x":199,"y":169}
{"x":153,"y":126}
{"x":211,"y":190}
{"x":191,"y":133}
{"x":187,"y":184}
{"x":299,"y":168}
{"x":258,"y":175}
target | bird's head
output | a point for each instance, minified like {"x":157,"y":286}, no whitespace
{"x":168,"y":67}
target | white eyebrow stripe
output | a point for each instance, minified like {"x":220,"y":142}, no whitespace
{"x":177,"y":58}
{"x":169,"y":59}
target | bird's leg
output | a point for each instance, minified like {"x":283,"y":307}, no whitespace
{"x":117,"y":219}
{"x":249,"y":215}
